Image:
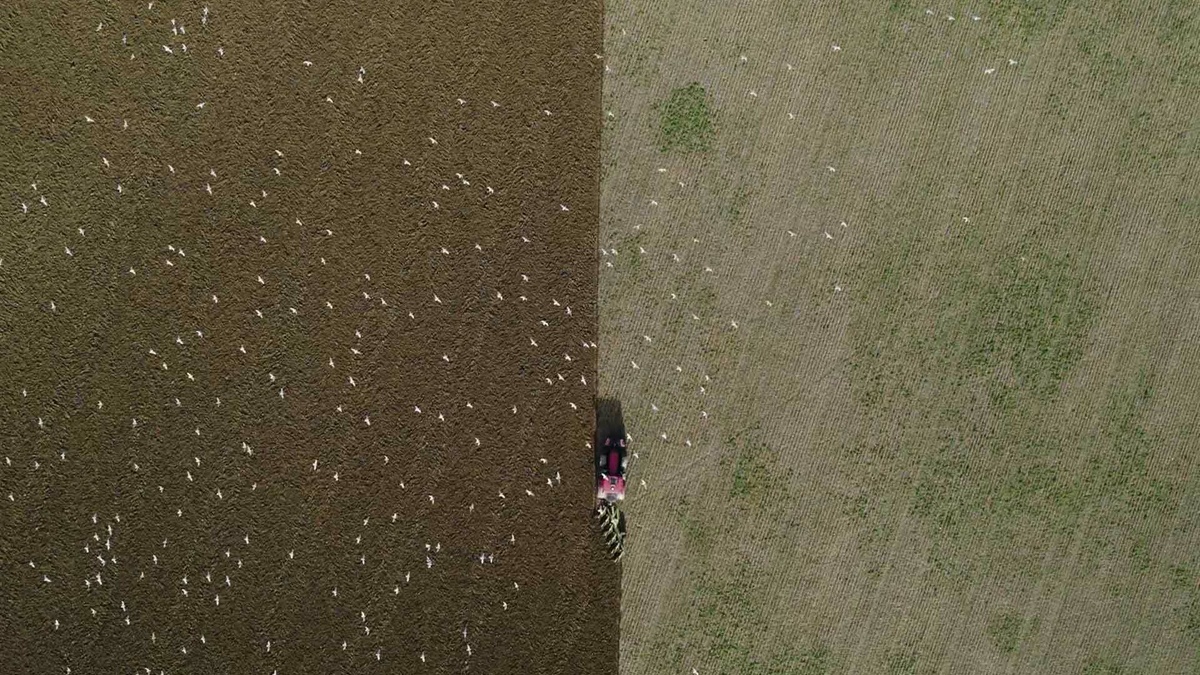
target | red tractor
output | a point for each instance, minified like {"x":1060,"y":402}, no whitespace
{"x":611,"y":460}
{"x":610,"y":470}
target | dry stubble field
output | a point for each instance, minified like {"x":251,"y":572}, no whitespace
{"x":978,"y":455}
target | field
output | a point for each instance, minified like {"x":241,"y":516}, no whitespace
{"x":903,"y":308}
{"x":284,"y":291}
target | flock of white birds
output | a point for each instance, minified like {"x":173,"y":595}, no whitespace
{"x":169,"y":361}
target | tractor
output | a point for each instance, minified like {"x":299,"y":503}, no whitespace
{"x":611,"y":460}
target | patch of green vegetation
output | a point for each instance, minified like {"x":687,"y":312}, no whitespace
{"x":630,"y":259}
{"x":686,"y":120}
{"x":725,"y":622}
{"x":1026,"y":326}
{"x":1030,"y":19}
{"x":1178,"y":33}
{"x":811,"y":661}
{"x":902,"y":662}
{"x":1139,"y":556}
{"x":1119,"y":471}
{"x":1104,"y":666}
{"x":732,"y":212}
{"x":1011,"y":326}
{"x":1181,"y":577}
{"x":972,"y":355}
{"x":696,"y":535}
{"x":1005,"y":632}
{"x":751,"y":476}
{"x":1191,"y":618}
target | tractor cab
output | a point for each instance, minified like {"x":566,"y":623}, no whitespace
{"x":610,"y":479}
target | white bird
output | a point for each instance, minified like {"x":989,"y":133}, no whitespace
{"x":432,"y":140}
{"x":988,"y":71}
{"x":836,"y":48}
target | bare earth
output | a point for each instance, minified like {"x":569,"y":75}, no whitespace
{"x":275,"y":373}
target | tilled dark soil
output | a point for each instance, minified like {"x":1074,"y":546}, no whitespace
{"x":219,"y":327}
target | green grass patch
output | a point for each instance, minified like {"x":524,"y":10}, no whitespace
{"x":751,"y":476}
{"x":1030,"y":19}
{"x":1005,"y":632}
{"x":1099,"y":666}
{"x":686,"y":120}
{"x":725,"y":626}
{"x":902,"y":662}
{"x":975,"y":369}
{"x":697,"y":536}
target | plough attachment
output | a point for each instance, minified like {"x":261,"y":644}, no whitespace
{"x":613,"y":527}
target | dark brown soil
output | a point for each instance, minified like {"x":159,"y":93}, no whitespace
{"x":180,"y":484}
